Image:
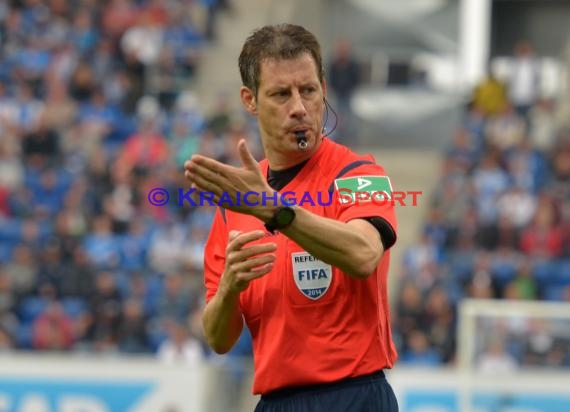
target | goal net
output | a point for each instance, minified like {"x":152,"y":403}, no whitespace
{"x":514,"y":356}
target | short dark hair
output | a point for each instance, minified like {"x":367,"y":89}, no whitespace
{"x":282,"y":41}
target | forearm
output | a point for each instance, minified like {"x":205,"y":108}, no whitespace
{"x":222,"y":321}
{"x":353,"y":247}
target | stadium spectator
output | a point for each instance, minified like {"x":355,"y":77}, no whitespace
{"x":518,"y":205}
{"x":505,"y":129}
{"x":74,"y":175}
{"x":543,"y":237}
{"x":409,"y":310}
{"x":78,"y":277}
{"x":6,"y":341}
{"x":11,"y":171}
{"x":146,"y":149}
{"x":463,"y":151}
{"x":524,"y":79}
{"x":180,"y":347}
{"x":143,"y":41}
{"x":506,"y":217}
{"x":490,"y":95}
{"x":100,"y":243}
{"x":8,"y":303}
{"x":166,"y":247}
{"x":60,"y":110}
{"x":23,"y":270}
{"x":102,"y":320}
{"x":438,"y":321}
{"x":53,"y":329}
{"x":543,"y":125}
{"x":418,"y":351}
{"x":176,"y":300}
{"x":490,"y":180}
{"x":495,"y":359}
{"x":132,"y":333}
{"x":344,"y":77}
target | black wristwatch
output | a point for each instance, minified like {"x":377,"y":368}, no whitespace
{"x":282,"y":218}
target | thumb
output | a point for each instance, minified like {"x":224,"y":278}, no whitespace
{"x":247,"y":158}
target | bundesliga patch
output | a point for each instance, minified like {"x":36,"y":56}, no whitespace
{"x":363,"y":189}
{"x":312,"y":276}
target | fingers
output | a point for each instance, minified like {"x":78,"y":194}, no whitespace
{"x":203,"y":183}
{"x":248,"y":252}
{"x":207,"y":173}
{"x":233,"y":234}
{"x":247,"y":263}
{"x":207,"y":163}
{"x":256,"y":273}
{"x":236,"y":253}
{"x":241,"y":240}
{"x":200,"y":178}
{"x":250,"y":264}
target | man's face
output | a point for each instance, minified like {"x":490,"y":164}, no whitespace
{"x":290,"y":98}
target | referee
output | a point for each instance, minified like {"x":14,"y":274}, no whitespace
{"x":310,"y":281}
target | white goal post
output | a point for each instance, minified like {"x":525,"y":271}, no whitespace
{"x":513,"y":385}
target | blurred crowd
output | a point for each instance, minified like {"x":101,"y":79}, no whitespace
{"x":498,"y":225}
{"x":96,"y":109}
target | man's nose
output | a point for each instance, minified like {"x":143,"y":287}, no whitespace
{"x":298,"y":109}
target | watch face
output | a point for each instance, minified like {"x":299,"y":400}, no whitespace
{"x":285,"y":216}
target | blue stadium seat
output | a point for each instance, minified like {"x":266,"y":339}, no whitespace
{"x":503,"y":273}
{"x":461,"y":266}
{"x":156,"y":335}
{"x":31,"y":308}
{"x":32,"y":179}
{"x":563,"y":272}
{"x":10,"y":230}
{"x":24,"y":336}
{"x":155,"y":288}
{"x":5,"y":251}
{"x":553,"y":293}
{"x":454,"y":293}
{"x":74,"y":307}
{"x":516,"y":349}
{"x":544,"y":271}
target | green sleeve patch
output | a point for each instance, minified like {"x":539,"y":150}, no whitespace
{"x":362,"y":189}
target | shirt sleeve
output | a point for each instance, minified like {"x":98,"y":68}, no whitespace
{"x":366,"y":192}
{"x":215,"y":255}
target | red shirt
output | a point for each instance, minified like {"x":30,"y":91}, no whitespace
{"x":310,"y":322}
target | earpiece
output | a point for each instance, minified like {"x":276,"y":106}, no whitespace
{"x":327,"y":107}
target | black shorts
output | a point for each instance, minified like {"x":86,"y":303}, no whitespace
{"x":370,"y":393}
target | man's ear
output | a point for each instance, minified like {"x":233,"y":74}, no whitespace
{"x":248,"y":100}
{"x":324,"y":86}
